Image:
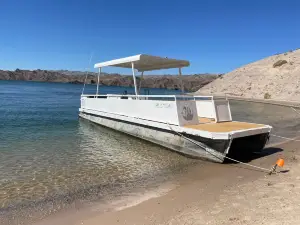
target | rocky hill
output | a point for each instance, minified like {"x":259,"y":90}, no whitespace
{"x":276,"y":77}
{"x":191,"y":82}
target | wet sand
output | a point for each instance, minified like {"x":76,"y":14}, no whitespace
{"x":210,"y":194}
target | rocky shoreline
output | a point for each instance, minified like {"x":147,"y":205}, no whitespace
{"x":190,"y":82}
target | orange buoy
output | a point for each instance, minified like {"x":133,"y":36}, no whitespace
{"x":280,"y":162}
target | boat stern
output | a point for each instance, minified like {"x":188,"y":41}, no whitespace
{"x":243,"y":144}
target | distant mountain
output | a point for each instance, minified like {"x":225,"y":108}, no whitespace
{"x":191,"y":82}
{"x":70,"y":72}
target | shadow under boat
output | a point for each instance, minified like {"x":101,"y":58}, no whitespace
{"x":254,"y":155}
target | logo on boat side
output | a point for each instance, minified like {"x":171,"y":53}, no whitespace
{"x":163,"y":105}
{"x":187,"y":113}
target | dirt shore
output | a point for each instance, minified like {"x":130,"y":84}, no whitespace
{"x":214,"y":194}
{"x":295,"y":104}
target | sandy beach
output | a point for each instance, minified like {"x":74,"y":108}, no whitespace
{"x":212,"y":194}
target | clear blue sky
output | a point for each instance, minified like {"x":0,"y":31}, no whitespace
{"x":215,"y":35}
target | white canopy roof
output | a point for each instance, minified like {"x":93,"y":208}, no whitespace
{"x":145,"y":63}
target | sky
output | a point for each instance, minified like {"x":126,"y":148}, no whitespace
{"x":216,"y":36}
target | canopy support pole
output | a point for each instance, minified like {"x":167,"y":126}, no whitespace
{"x":134,"y":80}
{"x":181,"y":82}
{"x":99,"y":73}
{"x":140,"y":85}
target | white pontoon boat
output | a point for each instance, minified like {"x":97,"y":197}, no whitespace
{"x":199,"y":126}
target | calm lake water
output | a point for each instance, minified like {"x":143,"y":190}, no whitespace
{"x":50,"y":156}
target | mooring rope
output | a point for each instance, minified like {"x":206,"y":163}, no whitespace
{"x":204,"y":148}
{"x":287,"y":138}
{"x":291,"y":139}
{"x":295,"y":110}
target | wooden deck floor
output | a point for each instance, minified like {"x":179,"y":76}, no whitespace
{"x":206,"y":120}
{"x":224,"y":126}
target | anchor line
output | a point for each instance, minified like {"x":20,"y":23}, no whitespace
{"x":291,"y":139}
{"x":204,"y":147}
{"x":295,"y":110}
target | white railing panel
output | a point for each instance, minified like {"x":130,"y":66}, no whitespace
{"x":161,"y":111}
{"x":206,"y":108}
{"x":223,"y":112}
{"x":161,"y":108}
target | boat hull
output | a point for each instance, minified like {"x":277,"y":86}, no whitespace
{"x":186,"y":144}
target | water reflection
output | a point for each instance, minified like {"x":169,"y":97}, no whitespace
{"x":97,"y":162}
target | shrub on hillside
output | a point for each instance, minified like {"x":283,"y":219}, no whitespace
{"x":279,"y":63}
{"x":221,"y":75}
{"x":267,"y":96}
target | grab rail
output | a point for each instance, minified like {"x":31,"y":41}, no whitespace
{"x":152,"y":97}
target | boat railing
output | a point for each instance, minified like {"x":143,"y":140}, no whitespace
{"x":134,"y":97}
{"x":152,"y":97}
{"x":159,"y":108}
{"x":139,"y":106}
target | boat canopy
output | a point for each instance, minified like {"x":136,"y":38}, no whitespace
{"x":144,"y":62}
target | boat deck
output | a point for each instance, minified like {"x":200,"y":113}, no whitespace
{"x":205,"y":120}
{"x":224,"y":126}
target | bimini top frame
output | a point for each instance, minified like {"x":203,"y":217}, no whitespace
{"x":143,"y":63}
